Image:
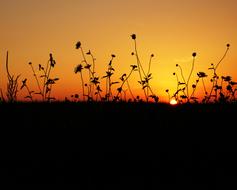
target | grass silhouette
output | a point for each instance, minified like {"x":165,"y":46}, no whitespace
{"x":12,"y":84}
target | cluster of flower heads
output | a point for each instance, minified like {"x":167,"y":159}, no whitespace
{"x":91,"y":89}
{"x":223,"y":88}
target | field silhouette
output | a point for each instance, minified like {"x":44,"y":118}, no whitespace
{"x":112,"y":145}
{"x":102,"y":140}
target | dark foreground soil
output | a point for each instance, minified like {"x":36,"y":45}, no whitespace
{"x":119,"y":146}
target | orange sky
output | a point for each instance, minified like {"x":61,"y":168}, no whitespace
{"x":170,"y":29}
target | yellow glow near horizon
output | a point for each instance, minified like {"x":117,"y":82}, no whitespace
{"x":171,"y":30}
{"x":173,"y":102}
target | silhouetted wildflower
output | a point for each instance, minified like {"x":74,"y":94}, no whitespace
{"x":95,"y":80}
{"x":201,"y":74}
{"x":78,"y":68}
{"x":78,"y":45}
{"x":194,"y":54}
{"x":226,"y":79}
{"x":122,"y":77}
{"x":133,"y":36}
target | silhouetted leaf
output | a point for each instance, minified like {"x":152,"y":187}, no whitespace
{"x":78,"y":68}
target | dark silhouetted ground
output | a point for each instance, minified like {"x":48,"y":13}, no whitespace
{"x":119,"y":145}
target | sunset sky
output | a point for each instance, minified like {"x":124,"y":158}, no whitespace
{"x":170,"y":29}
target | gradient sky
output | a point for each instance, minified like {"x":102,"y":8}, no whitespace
{"x":170,"y":29}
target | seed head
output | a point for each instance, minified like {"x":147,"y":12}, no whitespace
{"x":78,"y":45}
{"x":133,"y":36}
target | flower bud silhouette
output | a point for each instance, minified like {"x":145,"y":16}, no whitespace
{"x":78,"y":45}
{"x":133,"y":36}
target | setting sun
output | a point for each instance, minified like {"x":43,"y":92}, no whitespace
{"x":173,"y":102}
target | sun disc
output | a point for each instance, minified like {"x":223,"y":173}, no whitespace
{"x":173,"y":102}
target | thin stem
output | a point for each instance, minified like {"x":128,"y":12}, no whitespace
{"x":227,"y":49}
{"x":45,"y":79}
{"x":130,"y":91}
{"x":190,"y":76}
{"x":149,"y":66}
{"x":181,"y":72}
{"x":140,"y":68}
{"x":83,"y":89}
{"x":29,"y":92}
{"x":36,"y":78}
{"x":124,"y":82}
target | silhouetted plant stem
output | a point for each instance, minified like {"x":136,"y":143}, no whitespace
{"x":194,"y":89}
{"x":109,"y":83}
{"x":123,"y":82}
{"x":92,"y":73}
{"x":130,"y":91}
{"x":227,"y":49}
{"x":140,"y":68}
{"x":83,"y":86}
{"x":37,"y":81}
{"x":204,"y":87}
{"x":12,"y":85}
{"x":177,"y":79}
{"x":24,"y":85}
{"x":149,"y":65}
{"x":47,"y":86}
{"x":215,"y":76}
{"x":187,"y":84}
{"x":2,"y":96}
{"x":78,"y":69}
{"x":181,"y":72}
{"x":45,"y":80}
